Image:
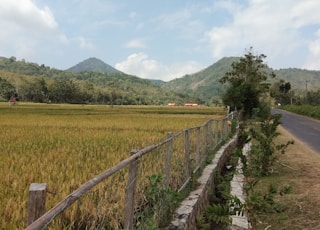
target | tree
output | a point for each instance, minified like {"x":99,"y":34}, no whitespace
{"x":247,"y":83}
{"x":7,"y":90}
{"x":64,"y":91}
{"x":35,"y":90}
{"x":280,"y":91}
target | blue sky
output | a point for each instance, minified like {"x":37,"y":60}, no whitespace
{"x":160,"y":39}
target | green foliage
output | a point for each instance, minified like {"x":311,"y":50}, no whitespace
{"x":265,"y":202}
{"x":7,"y":90}
{"x":259,"y":163}
{"x":313,"y":98}
{"x":247,"y":82}
{"x":262,"y":155}
{"x":280,"y":91}
{"x":307,"y":110}
{"x":122,"y":89}
{"x":112,"y":88}
{"x":204,"y":84}
{"x":160,"y":203}
{"x":218,"y":213}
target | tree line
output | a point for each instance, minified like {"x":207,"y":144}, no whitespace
{"x":71,"y":91}
{"x":39,"y":83}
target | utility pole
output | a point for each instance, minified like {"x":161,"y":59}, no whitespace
{"x":306,"y":99}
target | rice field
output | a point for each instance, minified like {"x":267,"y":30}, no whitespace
{"x":66,"y":145}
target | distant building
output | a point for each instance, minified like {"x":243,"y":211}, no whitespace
{"x":191,"y":104}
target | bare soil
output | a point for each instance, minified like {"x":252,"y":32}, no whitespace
{"x":298,"y":168}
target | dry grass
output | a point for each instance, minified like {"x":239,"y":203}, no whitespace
{"x":299,"y":167}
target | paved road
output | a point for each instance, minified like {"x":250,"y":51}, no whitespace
{"x":307,"y":130}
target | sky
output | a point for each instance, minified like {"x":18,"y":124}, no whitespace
{"x":160,"y":39}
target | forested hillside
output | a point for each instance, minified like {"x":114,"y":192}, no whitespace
{"x":93,"y":81}
{"x":39,"y":83}
{"x":94,"y":65}
{"x":206,"y":86}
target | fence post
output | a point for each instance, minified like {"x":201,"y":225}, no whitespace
{"x":187,"y":153}
{"x":198,"y":151}
{"x":217,"y":132}
{"x":224,"y":125}
{"x":210,"y":132}
{"x":206,"y":136}
{"x":36,"y":202}
{"x":130,"y":193}
{"x":168,"y":159}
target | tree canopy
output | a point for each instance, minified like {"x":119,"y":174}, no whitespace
{"x":247,"y":83}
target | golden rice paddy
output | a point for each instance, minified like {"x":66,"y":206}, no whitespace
{"x":66,"y":145}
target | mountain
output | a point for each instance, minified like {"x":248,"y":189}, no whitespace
{"x":201,"y":87}
{"x":89,"y":86}
{"x":300,"y":79}
{"x":93,"y":65}
{"x":205,"y":84}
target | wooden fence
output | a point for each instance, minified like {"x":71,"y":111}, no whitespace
{"x":148,"y":176}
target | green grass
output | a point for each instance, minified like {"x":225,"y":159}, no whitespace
{"x":307,"y":110}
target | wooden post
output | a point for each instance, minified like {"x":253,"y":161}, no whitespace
{"x":198,"y":147}
{"x":37,"y":201}
{"x":210,"y":135}
{"x":187,"y":153}
{"x":206,"y":137}
{"x":130,"y":194}
{"x":168,"y":159}
{"x":217,"y":132}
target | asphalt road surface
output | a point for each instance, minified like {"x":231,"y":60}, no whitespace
{"x":305,"y":129}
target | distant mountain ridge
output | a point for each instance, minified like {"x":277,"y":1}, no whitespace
{"x":206,"y":85}
{"x":95,"y":65}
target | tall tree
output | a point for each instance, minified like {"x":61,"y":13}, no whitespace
{"x":247,"y":83}
{"x":280,"y":91}
{"x":7,"y":90}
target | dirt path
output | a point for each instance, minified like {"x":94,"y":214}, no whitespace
{"x":300,"y":168}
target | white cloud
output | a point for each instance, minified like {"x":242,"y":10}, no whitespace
{"x":25,"y":28}
{"x":272,"y":27}
{"x":175,"y":20}
{"x":182,"y":23}
{"x":314,"y":56}
{"x":85,"y":44}
{"x":141,"y":65}
{"x":136,"y":43}
{"x":25,"y":14}
{"x":133,"y":15}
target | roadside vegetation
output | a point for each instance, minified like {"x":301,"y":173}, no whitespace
{"x":248,"y":92}
{"x":306,"y":110}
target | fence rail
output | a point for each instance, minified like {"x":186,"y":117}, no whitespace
{"x":173,"y":162}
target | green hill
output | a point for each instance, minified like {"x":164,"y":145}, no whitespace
{"x":40,"y":83}
{"x":99,"y":80}
{"x":205,"y":84}
{"x":93,"y":65}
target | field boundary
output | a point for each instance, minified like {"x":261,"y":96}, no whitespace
{"x":192,"y":206}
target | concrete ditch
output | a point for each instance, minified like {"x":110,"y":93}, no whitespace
{"x":184,"y":217}
{"x":239,"y":222}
